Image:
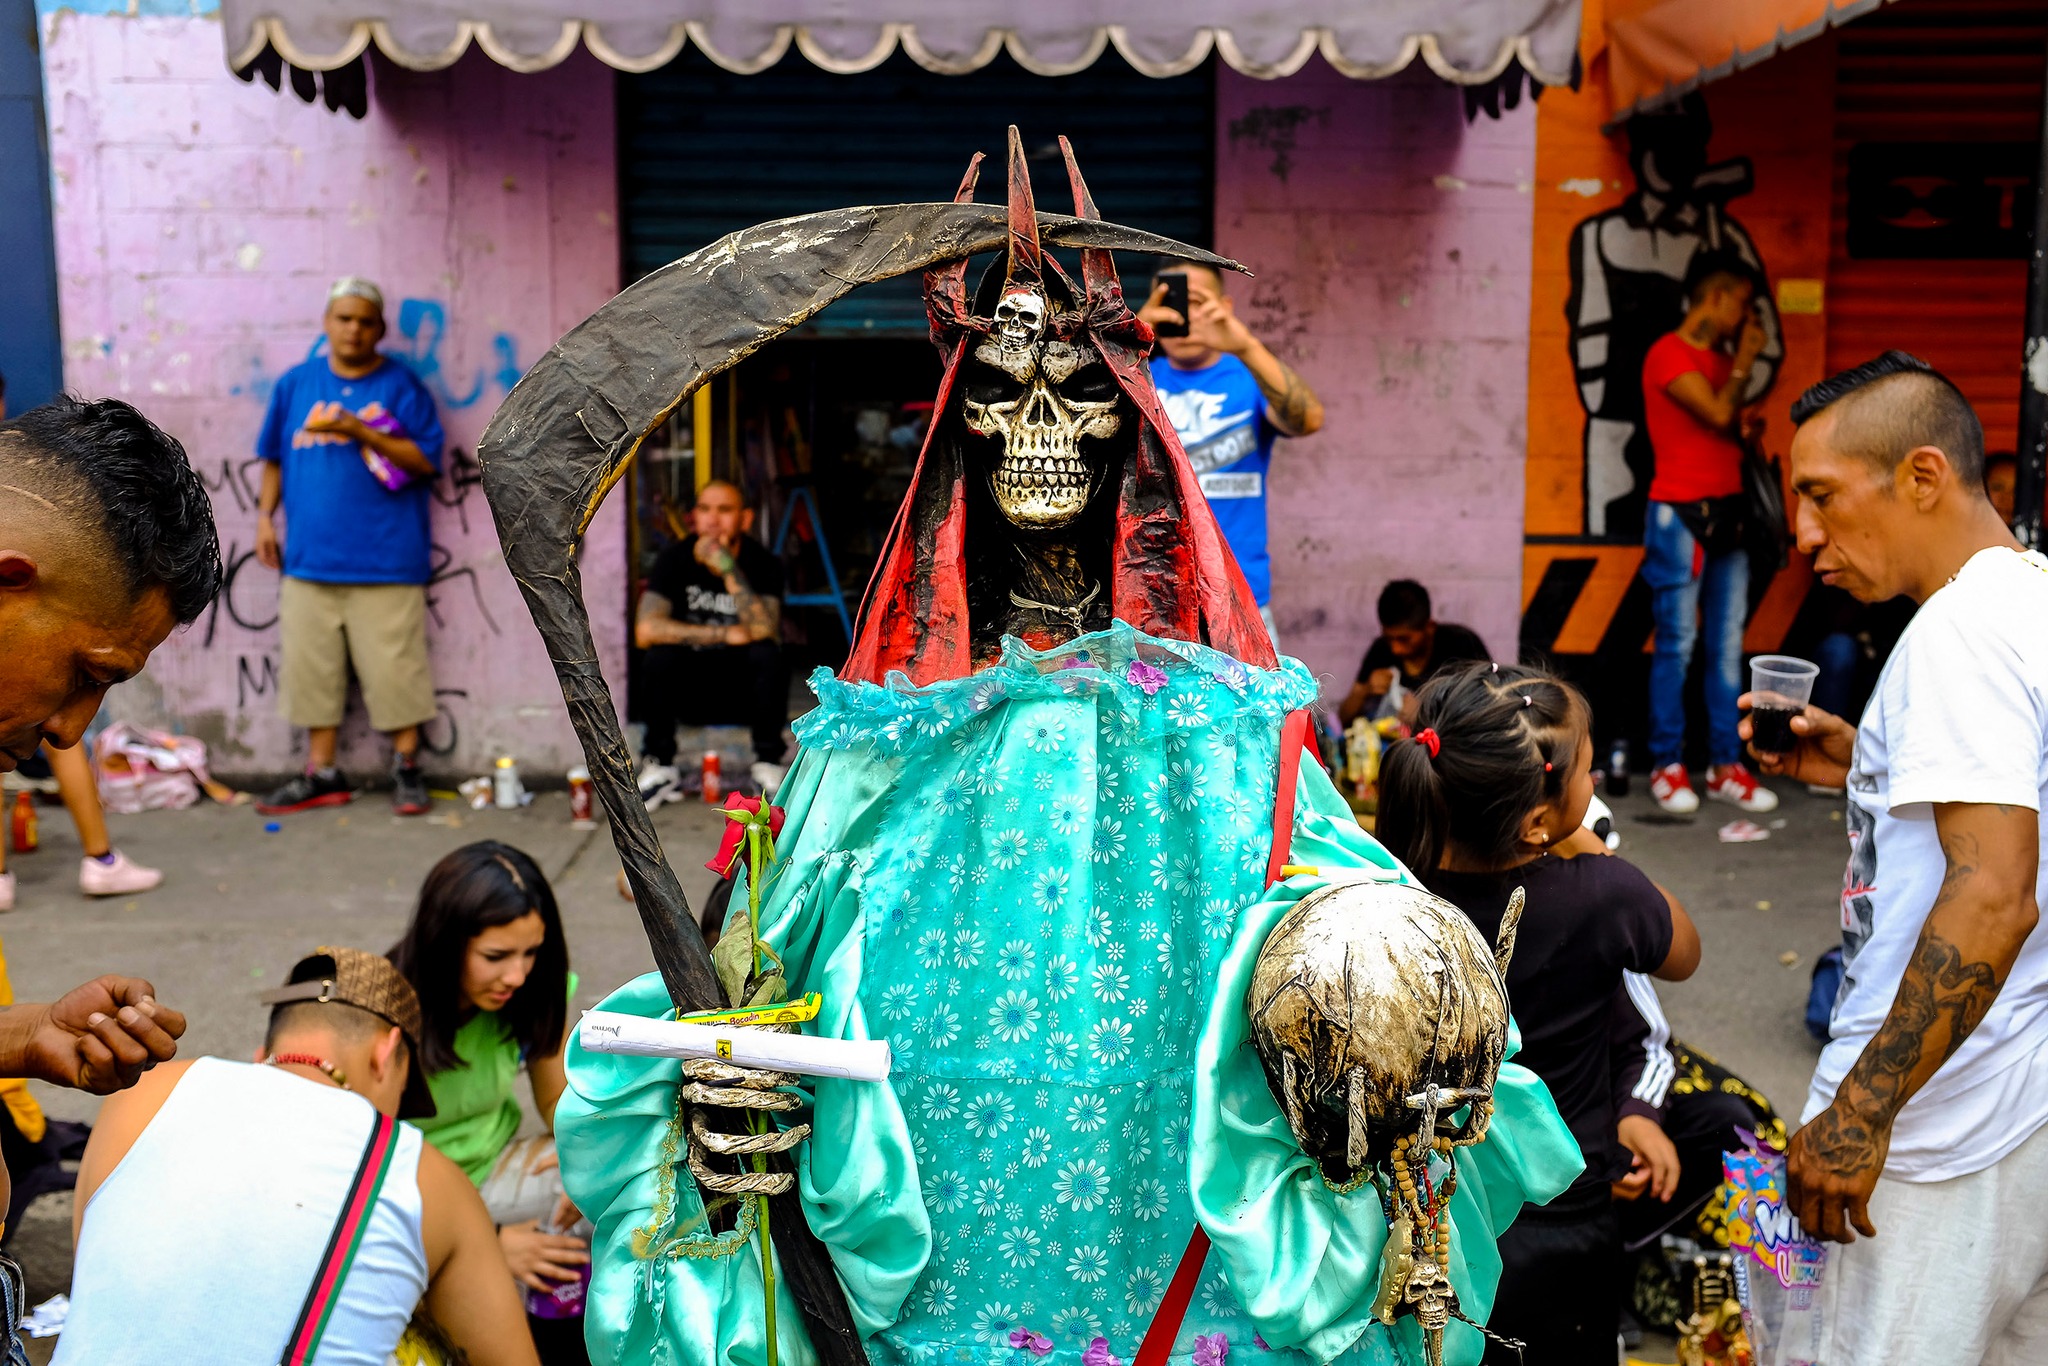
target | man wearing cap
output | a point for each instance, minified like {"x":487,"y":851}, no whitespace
{"x":272,"y":1211}
{"x":351,"y":446}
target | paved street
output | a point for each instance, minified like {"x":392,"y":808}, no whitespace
{"x":240,"y":904}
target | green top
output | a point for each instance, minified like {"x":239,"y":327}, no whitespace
{"x":475,"y":1113}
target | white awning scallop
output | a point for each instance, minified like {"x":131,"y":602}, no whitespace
{"x":1466,"y":41}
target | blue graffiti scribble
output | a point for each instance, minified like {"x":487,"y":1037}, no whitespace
{"x":424,"y":322}
{"x":509,"y":370}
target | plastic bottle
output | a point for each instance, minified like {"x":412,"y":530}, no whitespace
{"x":1617,"y":768}
{"x":24,"y":823}
{"x":713,"y":786}
{"x":505,"y":784}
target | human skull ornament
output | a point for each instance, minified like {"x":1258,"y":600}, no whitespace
{"x":1377,"y":1008}
{"x":1041,"y":398}
{"x":1020,"y":318}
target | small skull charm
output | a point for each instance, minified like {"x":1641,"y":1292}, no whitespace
{"x":1429,"y":1296}
{"x":1020,"y":318}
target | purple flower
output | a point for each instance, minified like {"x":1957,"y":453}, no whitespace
{"x":1037,"y":1343}
{"x":1146,"y":677}
{"x":1211,"y":1349}
{"x":1098,"y":1354}
{"x":1262,"y":1343}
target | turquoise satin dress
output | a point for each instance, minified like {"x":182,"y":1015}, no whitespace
{"x":1044,"y":885}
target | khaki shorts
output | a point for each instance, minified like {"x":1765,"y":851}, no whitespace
{"x":380,"y":628}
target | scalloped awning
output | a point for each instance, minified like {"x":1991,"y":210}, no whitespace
{"x":1469,"y":42}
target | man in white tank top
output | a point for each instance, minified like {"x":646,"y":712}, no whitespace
{"x":217,"y":1201}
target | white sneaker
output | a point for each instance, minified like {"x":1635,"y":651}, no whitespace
{"x":122,"y":877}
{"x":6,"y":891}
{"x":768,"y":777}
{"x":660,"y":783}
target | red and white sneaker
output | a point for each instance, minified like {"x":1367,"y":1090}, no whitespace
{"x":1673,"y":790}
{"x":1734,"y":783}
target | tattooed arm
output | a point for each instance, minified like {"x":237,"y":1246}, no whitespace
{"x":1290,"y":404}
{"x":656,"y":625}
{"x":1982,"y":915}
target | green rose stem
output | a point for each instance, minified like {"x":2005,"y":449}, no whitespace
{"x":759,"y":851}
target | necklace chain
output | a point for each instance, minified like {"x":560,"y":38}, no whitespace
{"x":335,"y":1074}
{"x":1074,"y":614}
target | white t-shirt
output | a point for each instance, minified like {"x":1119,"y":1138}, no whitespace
{"x":1960,"y":715}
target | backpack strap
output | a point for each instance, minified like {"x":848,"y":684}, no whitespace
{"x":1295,"y":736}
{"x":342,"y":1243}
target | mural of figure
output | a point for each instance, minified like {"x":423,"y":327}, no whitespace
{"x":1628,"y":269}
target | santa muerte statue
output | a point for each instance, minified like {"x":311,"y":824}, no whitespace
{"x":1184,"y":1065}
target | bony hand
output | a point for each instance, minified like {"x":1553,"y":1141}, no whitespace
{"x":541,"y":1261}
{"x":332,"y":417}
{"x":1155,"y":310}
{"x":709,"y":1083}
{"x":1655,"y":1167}
{"x":101,"y":1036}
{"x":1821,"y":753}
{"x":1832,"y":1166}
{"x":269,"y":546}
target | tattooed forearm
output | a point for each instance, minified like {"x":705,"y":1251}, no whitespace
{"x":1293,"y":402}
{"x":762,"y":616}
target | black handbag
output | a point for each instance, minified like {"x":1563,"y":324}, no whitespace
{"x":1766,"y":533}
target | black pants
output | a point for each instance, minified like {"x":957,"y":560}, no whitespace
{"x":719,"y":685}
{"x":1560,"y":1286}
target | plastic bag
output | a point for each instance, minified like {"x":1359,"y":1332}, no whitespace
{"x":1778,"y":1268}
{"x":148,"y":770}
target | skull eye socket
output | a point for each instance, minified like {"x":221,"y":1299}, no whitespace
{"x":1089,"y":384}
{"x":986,"y":384}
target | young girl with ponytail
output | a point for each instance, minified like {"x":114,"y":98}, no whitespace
{"x":1488,"y":796}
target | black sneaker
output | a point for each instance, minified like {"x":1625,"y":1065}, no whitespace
{"x":307,"y":791}
{"x":409,"y":796}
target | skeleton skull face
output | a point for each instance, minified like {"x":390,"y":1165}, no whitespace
{"x":1041,"y":396}
{"x":1376,"y":1008}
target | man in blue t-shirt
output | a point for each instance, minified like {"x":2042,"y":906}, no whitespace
{"x":1228,"y":397}
{"x":350,"y":449}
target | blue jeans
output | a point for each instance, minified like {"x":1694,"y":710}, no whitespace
{"x":1715,"y":600}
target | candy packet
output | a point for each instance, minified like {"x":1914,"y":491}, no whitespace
{"x":1779,"y":1269}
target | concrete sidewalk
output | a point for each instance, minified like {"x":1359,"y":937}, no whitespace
{"x":239,"y":905}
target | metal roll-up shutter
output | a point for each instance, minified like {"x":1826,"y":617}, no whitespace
{"x":703,"y":152}
{"x":1964,"y":75}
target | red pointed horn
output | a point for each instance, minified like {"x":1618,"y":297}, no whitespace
{"x":1098,"y":267}
{"x":1027,"y":262}
{"x":965,"y":194}
{"x":945,"y":286}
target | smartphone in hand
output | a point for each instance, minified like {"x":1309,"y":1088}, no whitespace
{"x":1176,"y":298}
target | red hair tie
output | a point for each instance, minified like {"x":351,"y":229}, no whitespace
{"x":1430,"y":740}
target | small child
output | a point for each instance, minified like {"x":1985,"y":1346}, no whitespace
{"x":1488,"y":796}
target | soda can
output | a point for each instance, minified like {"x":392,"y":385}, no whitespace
{"x":712,"y":787}
{"x":582,"y":799}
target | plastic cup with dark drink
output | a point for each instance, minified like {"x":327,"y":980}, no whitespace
{"x":1779,"y":687}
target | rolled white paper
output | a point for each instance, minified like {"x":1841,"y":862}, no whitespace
{"x":604,"y":1031}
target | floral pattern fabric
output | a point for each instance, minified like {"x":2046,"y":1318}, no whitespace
{"x":1048,"y":895}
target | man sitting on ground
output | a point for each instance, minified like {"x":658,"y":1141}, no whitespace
{"x":1411,"y":647}
{"x":286,"y":1214}
{"x":710,"y":622}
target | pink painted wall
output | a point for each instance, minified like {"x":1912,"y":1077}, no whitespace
{"x":199,"y":222}
{"x":1390,"y":242}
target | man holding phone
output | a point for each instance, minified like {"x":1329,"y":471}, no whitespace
{"x":1228,"y":397}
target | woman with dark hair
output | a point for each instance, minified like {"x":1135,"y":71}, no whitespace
{"x":1489,"y":795}
{"x":486,"y":954}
